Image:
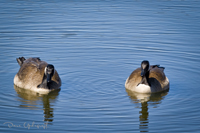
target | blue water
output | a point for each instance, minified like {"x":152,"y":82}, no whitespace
{"x":94,"y":46}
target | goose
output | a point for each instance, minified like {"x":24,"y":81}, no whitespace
{"x":147,"y":79}
{"x":37,"y":75}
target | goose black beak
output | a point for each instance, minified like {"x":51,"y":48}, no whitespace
{"x":49,"y":78}
{"x":142,"y":72}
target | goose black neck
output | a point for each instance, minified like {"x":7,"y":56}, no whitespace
{"x":145,"y":79}
{"x":44,"y":83}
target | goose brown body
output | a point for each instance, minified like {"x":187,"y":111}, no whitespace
{"x":31,"y":74}
{"x":157,"y":80}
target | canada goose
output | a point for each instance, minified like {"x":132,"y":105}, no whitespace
{"x":147,"y":79}
{"x":37,"y":75}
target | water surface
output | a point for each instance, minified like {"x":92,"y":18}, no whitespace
{"x":94,"y":46}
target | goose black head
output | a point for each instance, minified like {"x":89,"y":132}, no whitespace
{"x":49,"y":72}
{"x":144,"y":67}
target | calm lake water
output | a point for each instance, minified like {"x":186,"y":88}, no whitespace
{"x":95,"y":45}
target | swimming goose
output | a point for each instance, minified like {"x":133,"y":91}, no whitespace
{"x":37,"y":75}
{"x":147,"y":79}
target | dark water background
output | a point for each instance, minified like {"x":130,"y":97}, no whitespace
{"x":95,"y":45}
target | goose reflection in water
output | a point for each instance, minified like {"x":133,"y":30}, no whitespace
{"x":146,"y":100}
{"x":32,"y":100}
